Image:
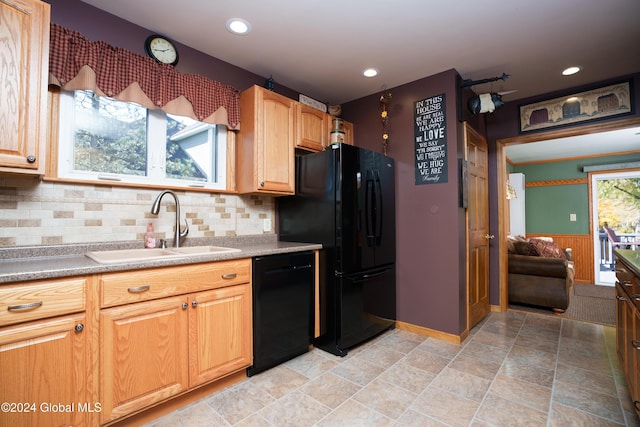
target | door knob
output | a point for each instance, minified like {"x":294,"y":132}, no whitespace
{"x":489,"y":236}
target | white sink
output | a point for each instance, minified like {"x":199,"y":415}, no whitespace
{"x":143,"y":254}
{"x":203,"y":250}
{"x":129,"y":255}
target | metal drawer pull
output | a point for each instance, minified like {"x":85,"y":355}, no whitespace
{"x":619,"y":298}
{"x":139,"y":289}
{"x":635,"y":297}
{"x":24,"y":306}
{"x":635,"y":344}
{"x":229,"y":276}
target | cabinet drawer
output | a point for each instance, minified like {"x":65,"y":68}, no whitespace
{"x":143,"y":285}
{"x":37,"y":300}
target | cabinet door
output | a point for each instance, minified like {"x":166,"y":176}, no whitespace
{"x":632,"y":367}
{"x":348,"y":133}
{"x":23,"y":93}
{"x":621,"y":307}
{"x":275,"y":149}
{"x":44,"y":372}
{"x":313,"y":127}
{"x":219,"y":332}
{"x":143,"y":355}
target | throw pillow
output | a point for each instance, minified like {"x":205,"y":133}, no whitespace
{"x":547,"y":249}
{"x":525,"y":248}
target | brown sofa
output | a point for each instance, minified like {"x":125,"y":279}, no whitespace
{"x":540,"y":277}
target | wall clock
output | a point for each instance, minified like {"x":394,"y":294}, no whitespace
{"x":161,"y":49}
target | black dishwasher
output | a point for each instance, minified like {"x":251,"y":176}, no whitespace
{"x":282,"y":308}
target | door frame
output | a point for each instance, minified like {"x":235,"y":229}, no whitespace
{"x":501,"y":175}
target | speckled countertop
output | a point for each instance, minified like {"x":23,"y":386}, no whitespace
{"x":45,"y":262}
{"x":632,"y":257}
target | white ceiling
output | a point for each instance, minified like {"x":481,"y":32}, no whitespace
{"x":320,"y":47}
{"x":619,"y":141}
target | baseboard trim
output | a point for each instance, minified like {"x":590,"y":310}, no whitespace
{"x":432,"y":333}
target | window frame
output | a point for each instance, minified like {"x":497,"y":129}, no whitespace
{"x":155,"y":178}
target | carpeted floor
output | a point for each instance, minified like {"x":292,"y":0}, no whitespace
{"x":589,"y":303}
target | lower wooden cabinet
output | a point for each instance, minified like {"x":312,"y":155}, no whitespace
{"x":153,"y":350}
{"x":220,"y":339}
{"x":143,"y":355}
{"x":44,"y":373}
{"x":628,"y":328}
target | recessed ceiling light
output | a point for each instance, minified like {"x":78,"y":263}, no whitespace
{"x":370,"y":72}
{"x":571,"y":70}
{"x":238,"y":26}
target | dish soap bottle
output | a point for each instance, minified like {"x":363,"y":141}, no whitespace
{"x":150,"y":237}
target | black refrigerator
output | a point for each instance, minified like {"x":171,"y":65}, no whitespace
{"x":345,"y":200}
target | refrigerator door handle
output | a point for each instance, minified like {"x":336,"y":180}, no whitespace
{"x":370,"y":276}
{"x":378,"y":232}
{"x":358,"y":180}
{"x":369,"y":203}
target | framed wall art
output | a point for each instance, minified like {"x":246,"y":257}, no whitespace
{"x":595,"y":104}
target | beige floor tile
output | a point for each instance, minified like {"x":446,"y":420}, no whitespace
{"x":445,"y":407}
{"x":478,"y":367}
{"x":514,"y":369}
{"x":239,"y":401}
{"x":330,"y":390}
{"x":566,"y":416}
{"x":588,"y":400}
{"x":408,"y":377}
{"x":462,"y":384}
{"x":412,"y":418}
{"x":502,"y":412}
{"x":296,"y":409}
{"x":529,"y":394}
{"x":312,"y":364}
{"x":279,"y":381}
{"x":353,"y":414}
{"x":380,"y":355}
{"x":357,"y":371}
{"x":386,"y":398}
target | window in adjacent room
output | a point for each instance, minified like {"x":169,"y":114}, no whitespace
{"x":109,"y":140}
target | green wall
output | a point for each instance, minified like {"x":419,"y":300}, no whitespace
{"x":547,"y":208}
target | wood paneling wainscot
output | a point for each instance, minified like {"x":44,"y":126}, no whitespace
{"x":582,"y":248}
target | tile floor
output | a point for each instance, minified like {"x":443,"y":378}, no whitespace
{"x":515,"y":369}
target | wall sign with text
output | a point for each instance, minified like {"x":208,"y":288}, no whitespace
{"x":430,"y":131}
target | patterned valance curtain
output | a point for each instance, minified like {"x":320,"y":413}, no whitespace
{"x":77,"y":63}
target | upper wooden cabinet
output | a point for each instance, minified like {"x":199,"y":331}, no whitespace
{"x":265,"y":143}
{"x":23,"y":96}
{"x":313,"y":127}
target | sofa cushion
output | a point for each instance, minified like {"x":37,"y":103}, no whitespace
{"x":525,"y":248}
{"x":547,"y":249}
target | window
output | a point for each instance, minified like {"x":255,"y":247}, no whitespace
{"x":109,"y":140}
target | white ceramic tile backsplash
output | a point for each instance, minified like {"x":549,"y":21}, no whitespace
{"x":47,"y":213}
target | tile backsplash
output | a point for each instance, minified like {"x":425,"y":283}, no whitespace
{"x":47,"y":213}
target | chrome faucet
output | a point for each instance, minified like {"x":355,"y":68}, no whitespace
{"x":155,"y":208}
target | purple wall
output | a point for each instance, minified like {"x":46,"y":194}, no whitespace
{"x":96,"y":24}
{"x":430,"y":238}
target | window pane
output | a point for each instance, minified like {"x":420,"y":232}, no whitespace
{"x":190,"y":149}
{"x":110,"y":136}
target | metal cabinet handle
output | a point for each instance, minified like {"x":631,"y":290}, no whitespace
{"x":139,"y":289}
{"x":184,"y":305}
{"x":194,"y":304}
{"x":20,"y":307}
{"x":31,"y":159}
{"x":635,"y":297}
{"x":619,"y":298}
{"x":635,"y":344}
{"x":79,"y":327}
{"x":489,"y":236}
{"x":229,"y":276}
